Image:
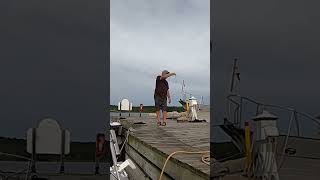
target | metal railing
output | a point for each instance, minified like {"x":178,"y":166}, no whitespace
{"x":238,"y":101}
{"x":26,"y":173}
{"x":235,"y":110}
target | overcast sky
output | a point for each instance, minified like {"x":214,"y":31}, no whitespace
{"x":53,"y":64}
{"x":148,"y":36}
{"x":278,"y":46}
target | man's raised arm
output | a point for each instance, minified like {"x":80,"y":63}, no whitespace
{"x":165,"y":76}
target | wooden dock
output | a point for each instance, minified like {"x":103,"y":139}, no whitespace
{"x":75,"y":177}
{"x":150,"y":145}
{"x":63,"y":177}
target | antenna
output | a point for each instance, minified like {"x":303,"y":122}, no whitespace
{"x":183,"y":93}
{"x":233,"y":74}
{"x":182,"y":87}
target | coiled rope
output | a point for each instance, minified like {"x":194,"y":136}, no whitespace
{"x":205,"y":158}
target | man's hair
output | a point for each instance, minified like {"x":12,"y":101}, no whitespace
{"x":165,"y":72}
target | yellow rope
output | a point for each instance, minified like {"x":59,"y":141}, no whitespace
{"x":205,"y":158}
{"x":185,"y":152}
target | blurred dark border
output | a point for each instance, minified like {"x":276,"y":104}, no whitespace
{"x":54,"y":62}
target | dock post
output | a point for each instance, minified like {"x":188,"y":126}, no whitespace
{"x":141,"y":109}
{"x":33,"y":165}
{"x":62,"y":152}
{"x":120,"y":108}
{"x":187,"y":106}
{"x":247,"y":145}
{"x":97,"y":166}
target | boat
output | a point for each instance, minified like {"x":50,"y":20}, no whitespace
{"x":191,"y":106}
{"x":274,"y":142}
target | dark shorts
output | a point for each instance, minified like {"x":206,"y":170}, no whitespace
{"x":160,"y":103}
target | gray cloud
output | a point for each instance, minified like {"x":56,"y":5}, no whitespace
{"x":149,"y":36}
{"x":53,"y":63}
{"x":277,"y":43}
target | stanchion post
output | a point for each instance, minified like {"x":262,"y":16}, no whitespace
{"x":33,"y":165}
{"x":248,"y":144}
{"x":62,"y":152}
{"x":97,"y":165}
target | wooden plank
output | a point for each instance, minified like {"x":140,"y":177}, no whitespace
{"x":175,"y":168}
{"x":156,"y":143}
{"x":150,"y":169}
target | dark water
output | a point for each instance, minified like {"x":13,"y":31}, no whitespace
{"x":53,"y":167}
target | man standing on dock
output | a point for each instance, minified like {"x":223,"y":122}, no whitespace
{"x":161,"y":94}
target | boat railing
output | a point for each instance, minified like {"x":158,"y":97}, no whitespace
{"x":299,"y":121}
{"x":236,"y":116}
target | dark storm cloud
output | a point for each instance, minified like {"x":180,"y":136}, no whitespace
{"x":277,"y":43}
{"x":53,"y":61}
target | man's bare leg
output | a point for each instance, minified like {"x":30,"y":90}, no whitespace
{"x":164,"y":117}
{"x":158,"y":116}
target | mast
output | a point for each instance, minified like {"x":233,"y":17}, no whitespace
{"x":234,"y":73}
{"x":183,"y":93}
